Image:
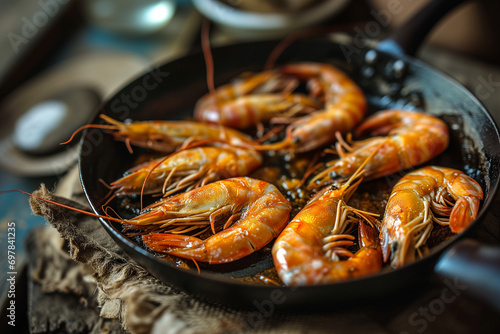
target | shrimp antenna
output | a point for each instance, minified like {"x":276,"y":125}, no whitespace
{"x":360,"y":171}
{"x":209,"y":63}
{"x":69,"y":207}
{"x":286,"y":42}
{"x":196,"y":264}
{"x":88,"y":126}
{"x":143,"y":188}
{"x":313,"y":165}
{"x":114,"y":126}
{"x":207,"y":54}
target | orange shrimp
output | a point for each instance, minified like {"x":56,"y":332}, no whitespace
{"x":421,"y":197}
{"x":259,"y":210}
{"x":256,"y":209}
{"x":303,"y":252}
{"x":412,"y":139}
{"x":187,"y":168}
{"x":167,"y":136}
{"x":250,"y":101}
{"x":345,"y":107}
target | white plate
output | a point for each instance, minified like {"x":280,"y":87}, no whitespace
{"x":242,"y":23}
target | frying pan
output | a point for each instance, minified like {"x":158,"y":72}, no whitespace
{"x":389,"y":79}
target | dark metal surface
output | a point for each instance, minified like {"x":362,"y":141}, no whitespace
{"x":408,"y":38}
{"x":388,"y":81}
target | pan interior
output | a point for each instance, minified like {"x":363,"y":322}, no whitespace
{"x":170,"y":91}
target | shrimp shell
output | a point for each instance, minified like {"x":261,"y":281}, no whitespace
{"x":262,"y":211}
{"x":250,"y":101}
{"x":299,"y":252}
{"x":167,"y":136}
{"x":186,"y":168}
{"x":412,"y":139}
{"x":345,"y":107}
{"x":424,"y":196}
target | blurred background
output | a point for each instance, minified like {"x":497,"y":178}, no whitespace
{"x":59,"y":59}
{"x":37,"y":34}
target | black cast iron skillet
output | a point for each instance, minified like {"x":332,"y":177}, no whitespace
{"x":388,"y":80}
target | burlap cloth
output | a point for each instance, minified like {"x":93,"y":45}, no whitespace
{"x":76,"y":256}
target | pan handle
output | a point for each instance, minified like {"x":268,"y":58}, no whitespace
{"x":474,"y":268}
{"x":408,"y":38}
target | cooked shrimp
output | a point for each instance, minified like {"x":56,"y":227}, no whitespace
{"x":303,"y":252}
{"x":250,"y":101}
{"x":421,"y":197}
{"x":257,"y":208}
{"x":412,"y":139}
{"x":187,"y":168}
{"x":167,"y":136}
{"x":345,"y":107}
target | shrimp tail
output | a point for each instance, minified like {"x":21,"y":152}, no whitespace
{"x":214,"y":251}
{"x":175,"y":244}
{"x":369,"y":253}
{"x":367,"y":235}
{"x":463,"y":214}
{"x":468,"y":195}
{"x":385,"y":243}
